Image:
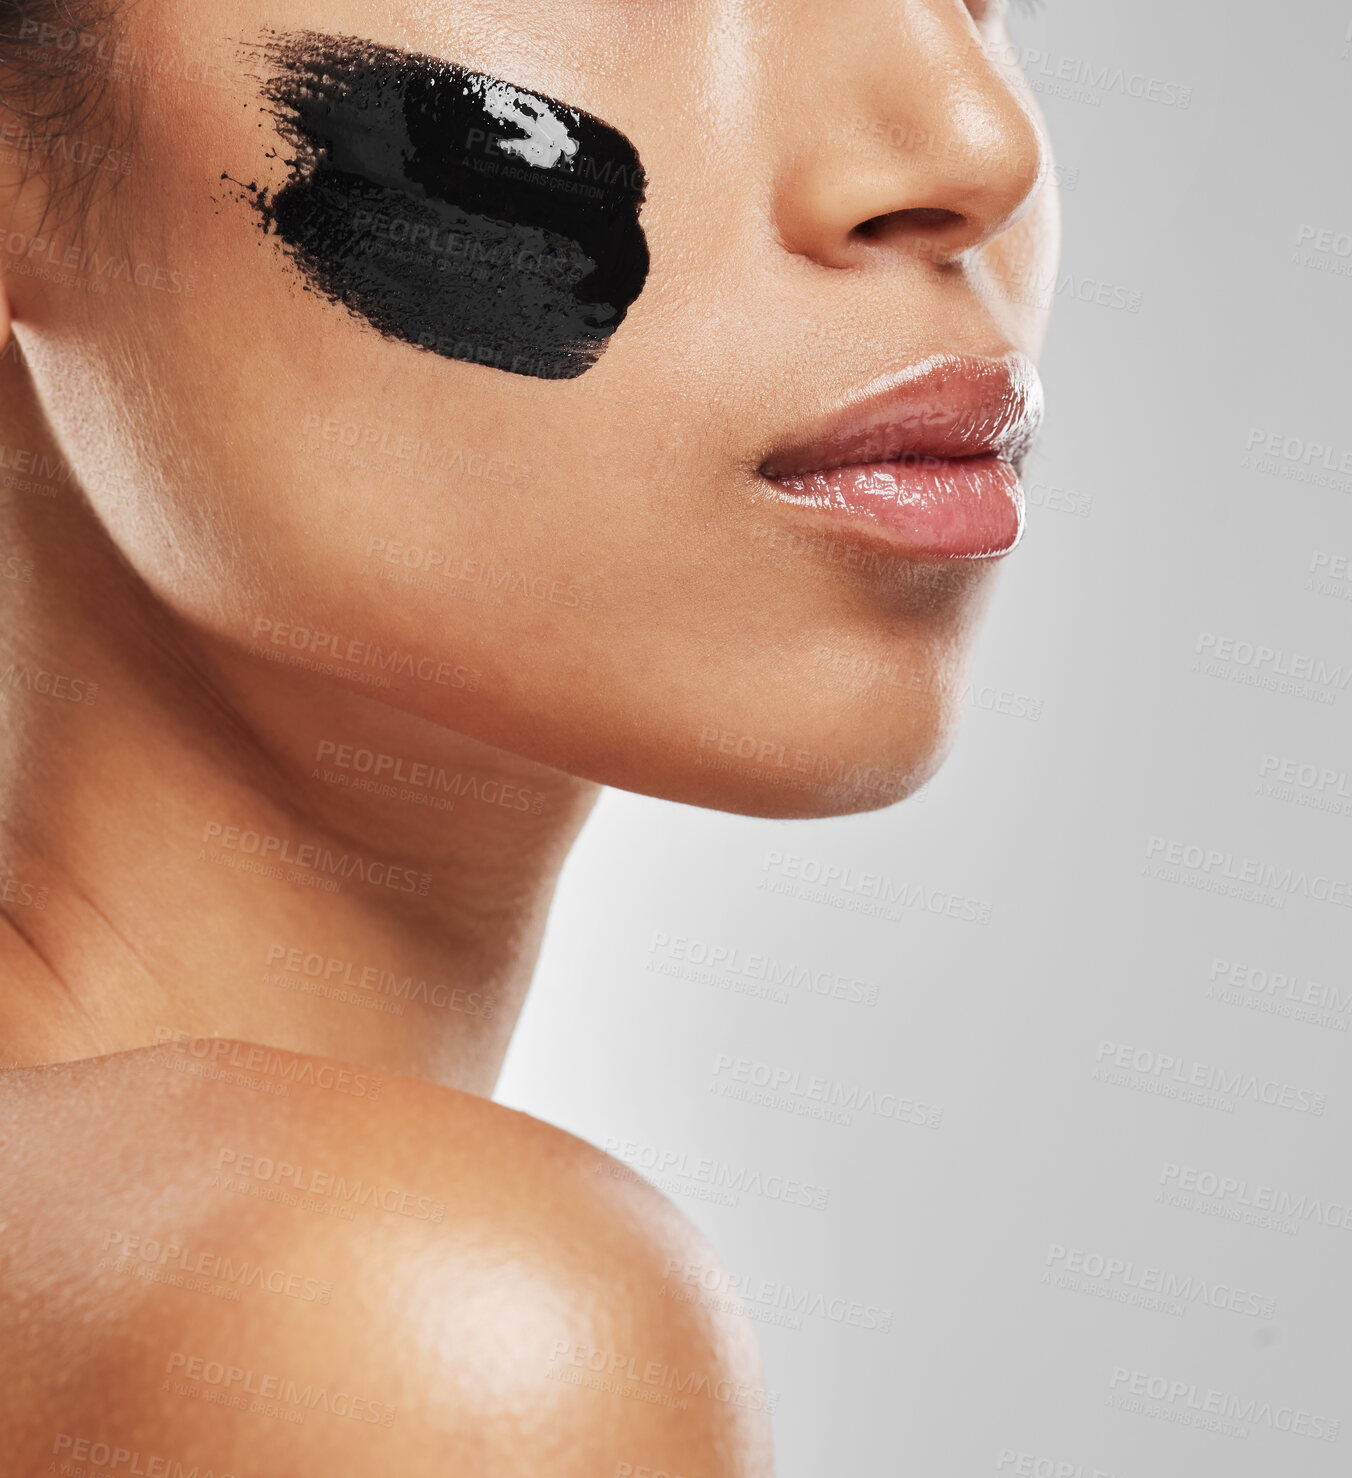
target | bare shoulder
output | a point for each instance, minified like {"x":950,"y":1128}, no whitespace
{"x":258,"y":1262}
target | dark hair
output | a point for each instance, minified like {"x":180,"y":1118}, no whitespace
{"x":56,"y":85}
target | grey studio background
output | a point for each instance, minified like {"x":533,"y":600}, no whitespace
{"x":1122,"y":1247}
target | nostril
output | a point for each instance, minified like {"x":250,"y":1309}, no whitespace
{"x":898,"y":222}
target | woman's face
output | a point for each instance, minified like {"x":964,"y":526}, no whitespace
{"x":645,"y":572}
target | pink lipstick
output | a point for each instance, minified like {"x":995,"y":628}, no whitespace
{"x":927,"y":459}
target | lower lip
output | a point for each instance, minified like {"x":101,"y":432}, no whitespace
{"x":926,"y":507}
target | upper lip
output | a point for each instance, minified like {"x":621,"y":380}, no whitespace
{"x":947,"y":406}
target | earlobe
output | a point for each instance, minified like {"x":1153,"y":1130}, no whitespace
{"x":22,"y":200}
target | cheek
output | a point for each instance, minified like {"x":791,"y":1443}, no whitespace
{"x":1023,"y":261}
{"x":449,"y":210}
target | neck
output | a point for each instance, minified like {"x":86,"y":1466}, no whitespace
{"x":193,"y":840}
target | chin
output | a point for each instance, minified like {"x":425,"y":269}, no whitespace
{"x":855,"y":766}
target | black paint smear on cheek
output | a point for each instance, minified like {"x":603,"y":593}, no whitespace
{"x":452,"y":210}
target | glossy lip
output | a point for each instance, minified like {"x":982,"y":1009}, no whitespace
{"x":928,"y":459}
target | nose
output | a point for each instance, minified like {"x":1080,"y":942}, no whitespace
{"x":910,"y":132}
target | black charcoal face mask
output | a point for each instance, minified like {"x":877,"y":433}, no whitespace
{"x":452,"y":210}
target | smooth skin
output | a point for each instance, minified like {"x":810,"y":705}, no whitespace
{"x":534,"y":1327}
{"x":838,"y":189}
